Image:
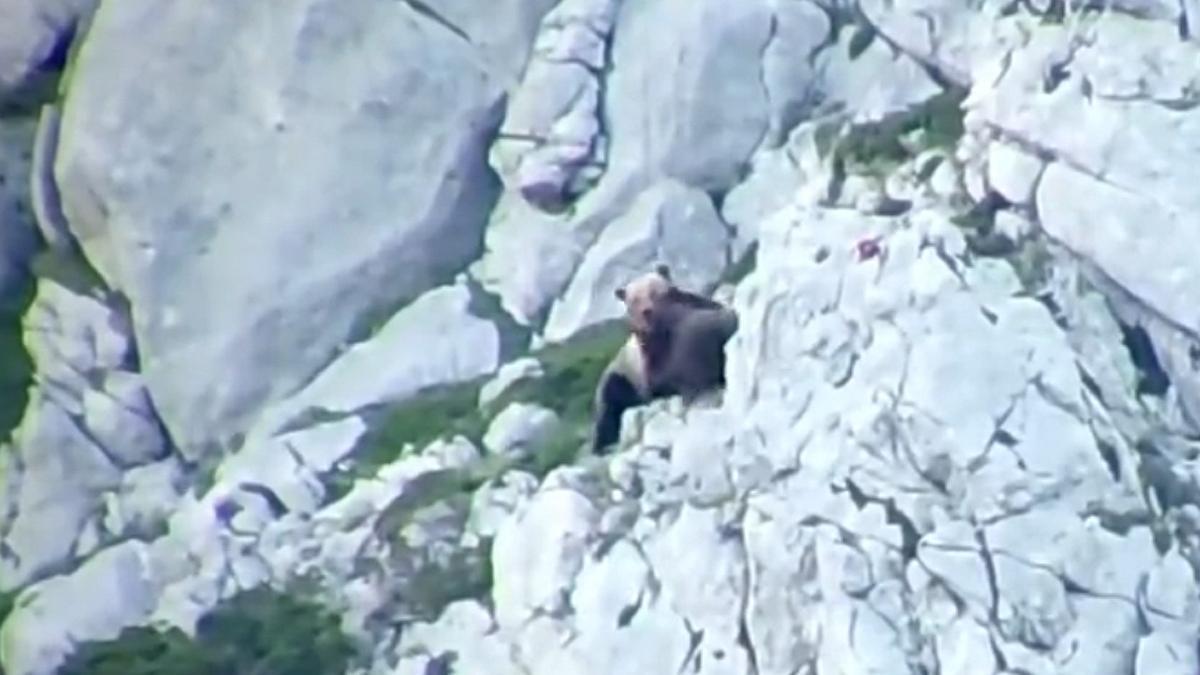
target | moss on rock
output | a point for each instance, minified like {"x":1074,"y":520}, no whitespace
{"x":570,"y":372}
{"x":68,"y":269}
{"x":257,"y":631}
{"x":878,"y":148}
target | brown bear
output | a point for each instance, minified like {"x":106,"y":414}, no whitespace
{"x":676,"y":346}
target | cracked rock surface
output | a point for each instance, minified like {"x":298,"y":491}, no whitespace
{"x":88,"y":420}
{"x":959,"y":432}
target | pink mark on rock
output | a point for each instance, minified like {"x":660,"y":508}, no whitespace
{"x":868,"y":248}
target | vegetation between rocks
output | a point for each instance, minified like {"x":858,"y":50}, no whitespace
{"x":743,"y":266}
{"x":570,"y":373}
{"x":16,"y":365}
{"x":1031,"y":258}
{"x":8,"y":600}
{"x":68,"y":269}
{"x":878,"y":148}
{"x":257,"y":632}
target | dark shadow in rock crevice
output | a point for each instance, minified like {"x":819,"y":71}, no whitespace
{"x":1152,"y":378}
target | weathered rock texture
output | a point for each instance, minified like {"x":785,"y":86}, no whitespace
{"x":329,"y":162}
{"x":959,"y":432}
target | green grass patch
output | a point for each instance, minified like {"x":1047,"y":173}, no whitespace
{"x":878,"y":148}
{"x":570,"y":373}
{"x":742,"y":268}
{"x":8,"y":601}
{"x":68,"y":269}
{"x":16,"y":365}
{"x":258,"y":632}
{"x":514,"y":338}
{"x":438,"y":413}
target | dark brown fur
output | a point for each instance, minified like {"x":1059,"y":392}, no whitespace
{"x":682,"y":353}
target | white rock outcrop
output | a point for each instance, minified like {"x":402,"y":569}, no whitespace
{"x":959,"y":428}
{"x":88,"y":419}
{"x":111,"y":591}
{"x":254,"y":226}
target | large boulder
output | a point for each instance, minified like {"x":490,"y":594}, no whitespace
{"x":258,"y":180}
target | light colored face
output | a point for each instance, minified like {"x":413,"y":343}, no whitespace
{"x":643,"y":297}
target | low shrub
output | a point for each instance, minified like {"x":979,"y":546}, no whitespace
{"x":257,"y":632}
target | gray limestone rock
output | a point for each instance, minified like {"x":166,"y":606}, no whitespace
{"x":254,"y":233}
{"x":113,"y":590}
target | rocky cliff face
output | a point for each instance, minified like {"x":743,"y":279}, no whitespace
{"x":303,"y":302}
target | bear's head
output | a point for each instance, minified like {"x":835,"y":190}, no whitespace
{"x":646,"y":298}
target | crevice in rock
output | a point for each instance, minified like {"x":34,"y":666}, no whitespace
{"x":772,"y":31}
{"x":598,"y":149}
{"x":989,"y":566}
{"x":73,"y":561}
{"x":1188,"y":100}
{"x":695,"y":639}
{"x":1109,"y":454}
{"x":743,"y":636}
{"x":442,"y":664}
{"x":998,"y":654}
{"x":1090,"y":383}
{"x":86,"y":433}
{"x":592,"y":70}
{"x":433,"y":15}
{"x":1152,"y":378}
{"x":274,"y":503}
{"x":18,"y":369}
{"x":514,"y":338}
{"x":909,"y":536}
{"x":837,"y":18}
{"x":1056,"y":73}
{"x":627,"y":613}
{"x":936,"y":475}
{"x":744,"y":641}
{"x":56,"y":60}
{"x":1055,"y":398}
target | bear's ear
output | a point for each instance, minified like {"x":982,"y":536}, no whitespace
{"x":620,"y":293}
{"x":663,"y":271}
